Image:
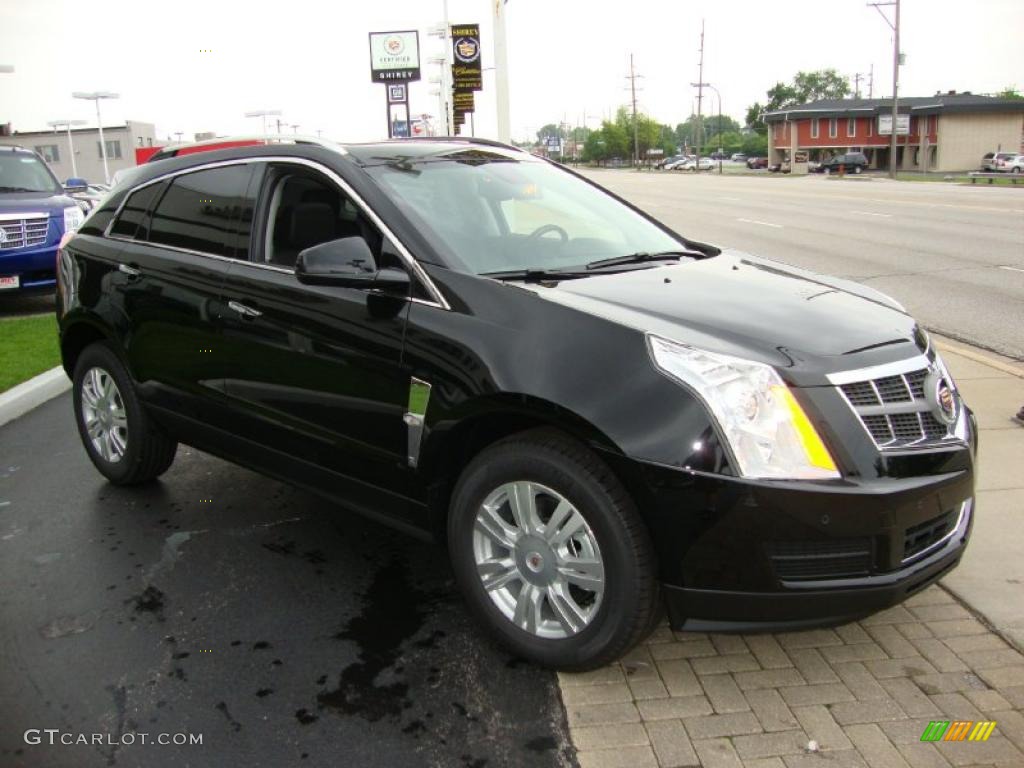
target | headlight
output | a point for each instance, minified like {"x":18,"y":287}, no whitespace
{"x":768,"y":431}
{"x":73,"y":218}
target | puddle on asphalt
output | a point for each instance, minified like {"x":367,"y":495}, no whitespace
{"x":392,"y":614}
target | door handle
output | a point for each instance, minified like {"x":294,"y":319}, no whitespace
{"x":243,"y":310}
{"x":130,"y":271}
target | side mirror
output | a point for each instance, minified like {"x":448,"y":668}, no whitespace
{"x":348,"y":262}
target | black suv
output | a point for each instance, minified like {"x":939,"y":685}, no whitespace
{"x":851,"y":162}
{"x":599,"y":415}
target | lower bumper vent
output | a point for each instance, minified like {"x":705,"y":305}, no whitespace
{"x":809,"y":560}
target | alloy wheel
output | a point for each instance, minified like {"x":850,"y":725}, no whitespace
{"x":538,"y":559}
{"x":103,"y":415}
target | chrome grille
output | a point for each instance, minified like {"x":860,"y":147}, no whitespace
{"x":24,"y":232}
{"x":893,"y":407}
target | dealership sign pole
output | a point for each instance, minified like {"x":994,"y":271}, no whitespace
{"x":467,"y":70}
{"x":395,"y":61}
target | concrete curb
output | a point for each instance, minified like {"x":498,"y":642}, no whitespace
{"x":22,"y":398}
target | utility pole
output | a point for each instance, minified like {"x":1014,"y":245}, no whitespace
{"x":501,"y":72}
{"x":895,"y":26}
{"x":700,"y":95}
{"x":857,"y":77}
{"x":871,"y":82}
{"x":632,"y":86}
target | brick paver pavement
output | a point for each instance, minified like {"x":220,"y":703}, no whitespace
{"x":864,"y":692}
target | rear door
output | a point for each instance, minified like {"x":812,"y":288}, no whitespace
{"x":315,"y":372}
{"x":182,"y":234}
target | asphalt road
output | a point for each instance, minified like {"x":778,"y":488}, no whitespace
{"x":952,"y":254}
{"x":222,"y":603}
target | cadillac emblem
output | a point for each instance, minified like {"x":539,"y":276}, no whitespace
{"x":939,"y":394}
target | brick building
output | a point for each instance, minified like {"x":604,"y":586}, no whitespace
{"x":946,"y":132}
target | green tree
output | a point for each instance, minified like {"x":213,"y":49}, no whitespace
{"x":1010,"y":92}
{"x":805,"y":87}
{"x":551,"y":129}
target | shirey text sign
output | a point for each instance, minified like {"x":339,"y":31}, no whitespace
{"x":394,"y":56}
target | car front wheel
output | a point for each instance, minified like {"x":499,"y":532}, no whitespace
{"x":550,"y":552}
{"x":122,"y":441}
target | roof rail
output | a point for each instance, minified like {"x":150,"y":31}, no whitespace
{"x":171,"y":150}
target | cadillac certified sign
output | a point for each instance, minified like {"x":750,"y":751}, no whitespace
{"x":394,"y":56}
{"x":467,"y":71}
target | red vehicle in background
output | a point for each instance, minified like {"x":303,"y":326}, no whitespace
{"x":757,"y":162}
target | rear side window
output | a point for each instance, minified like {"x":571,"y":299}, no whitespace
{"x":202,"y":211}
{"x":135,"y":211}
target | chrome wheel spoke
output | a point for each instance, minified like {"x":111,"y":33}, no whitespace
{"x":587,"y":574}
{"x":569,"y":614}
{"x":117,"y":442}
{"x":490,"y":523}
{"x":496,"y":574}
{"x":93,"y":427}
{"x":523,"y":504}
{"x":528,"y":608}
{"x":573,"y":525}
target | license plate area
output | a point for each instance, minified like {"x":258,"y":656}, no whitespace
{"x":8,"y":282}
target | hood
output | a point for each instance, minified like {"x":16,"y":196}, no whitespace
{"x":754,"y":308}
{"x":34,"y":202}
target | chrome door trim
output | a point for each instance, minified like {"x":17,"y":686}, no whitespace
{"x":410,"y":261}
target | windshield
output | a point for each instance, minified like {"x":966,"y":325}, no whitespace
{"x":24,"y":172}
{"x":492,"y":212}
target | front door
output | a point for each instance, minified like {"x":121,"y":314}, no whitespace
{"x":315,"y":371}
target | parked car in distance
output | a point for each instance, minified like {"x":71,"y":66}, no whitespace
{"x":991,"y":161}
{"x":693,"y":164}
{"x":591,"y":409}
{"x":754,"y":163}
{"x":87,"y":195}
{"x":718,"y":156}
{"x":849,"y":162}
{"x":676,"y":162}
{"x":35,"y":212}
{"x":738,"y":157}
{"x":665,"y":162}
{"x":1014,"y":165}
{"x":1003,"y":161}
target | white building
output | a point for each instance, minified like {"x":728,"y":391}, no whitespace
{"x":121,"y":141}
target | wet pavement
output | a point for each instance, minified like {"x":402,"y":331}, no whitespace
{"x":218,"y":602}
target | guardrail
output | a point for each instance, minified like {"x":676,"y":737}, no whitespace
{"x":992,"y":176}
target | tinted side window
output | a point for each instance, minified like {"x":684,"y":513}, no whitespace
{"x":135,"y":211}
{"x":201,"y":211}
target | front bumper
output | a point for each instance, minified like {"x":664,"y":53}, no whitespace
{"x":35,"y":266}
{"x":748,"y":555}
{"x":802,"y":605}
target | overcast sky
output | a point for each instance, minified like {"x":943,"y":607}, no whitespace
{"x":567,"y":58}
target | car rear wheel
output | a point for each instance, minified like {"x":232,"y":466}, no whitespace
{"x":1016,"y":169}
{"x":550,"y":552}
{"x":123,"y":442}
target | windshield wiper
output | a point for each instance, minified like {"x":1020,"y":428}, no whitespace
{"x":535,"y":275}
{"x":642,"y":256}
{"x":20,"y":189}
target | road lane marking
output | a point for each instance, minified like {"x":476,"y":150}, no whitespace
{"x":872,"y":213}
{"x":762,"y":223}
{"x":1012,"y":269}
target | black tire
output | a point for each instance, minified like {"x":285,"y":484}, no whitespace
{"x":148,"y":450}
{"x":630,"y":605}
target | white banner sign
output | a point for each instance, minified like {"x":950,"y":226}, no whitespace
{"x":885,"y":125}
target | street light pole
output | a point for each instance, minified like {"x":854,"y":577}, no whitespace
{"x":96,"y":96}
{"x":501,"y":72}
{"x":56,"y":124}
